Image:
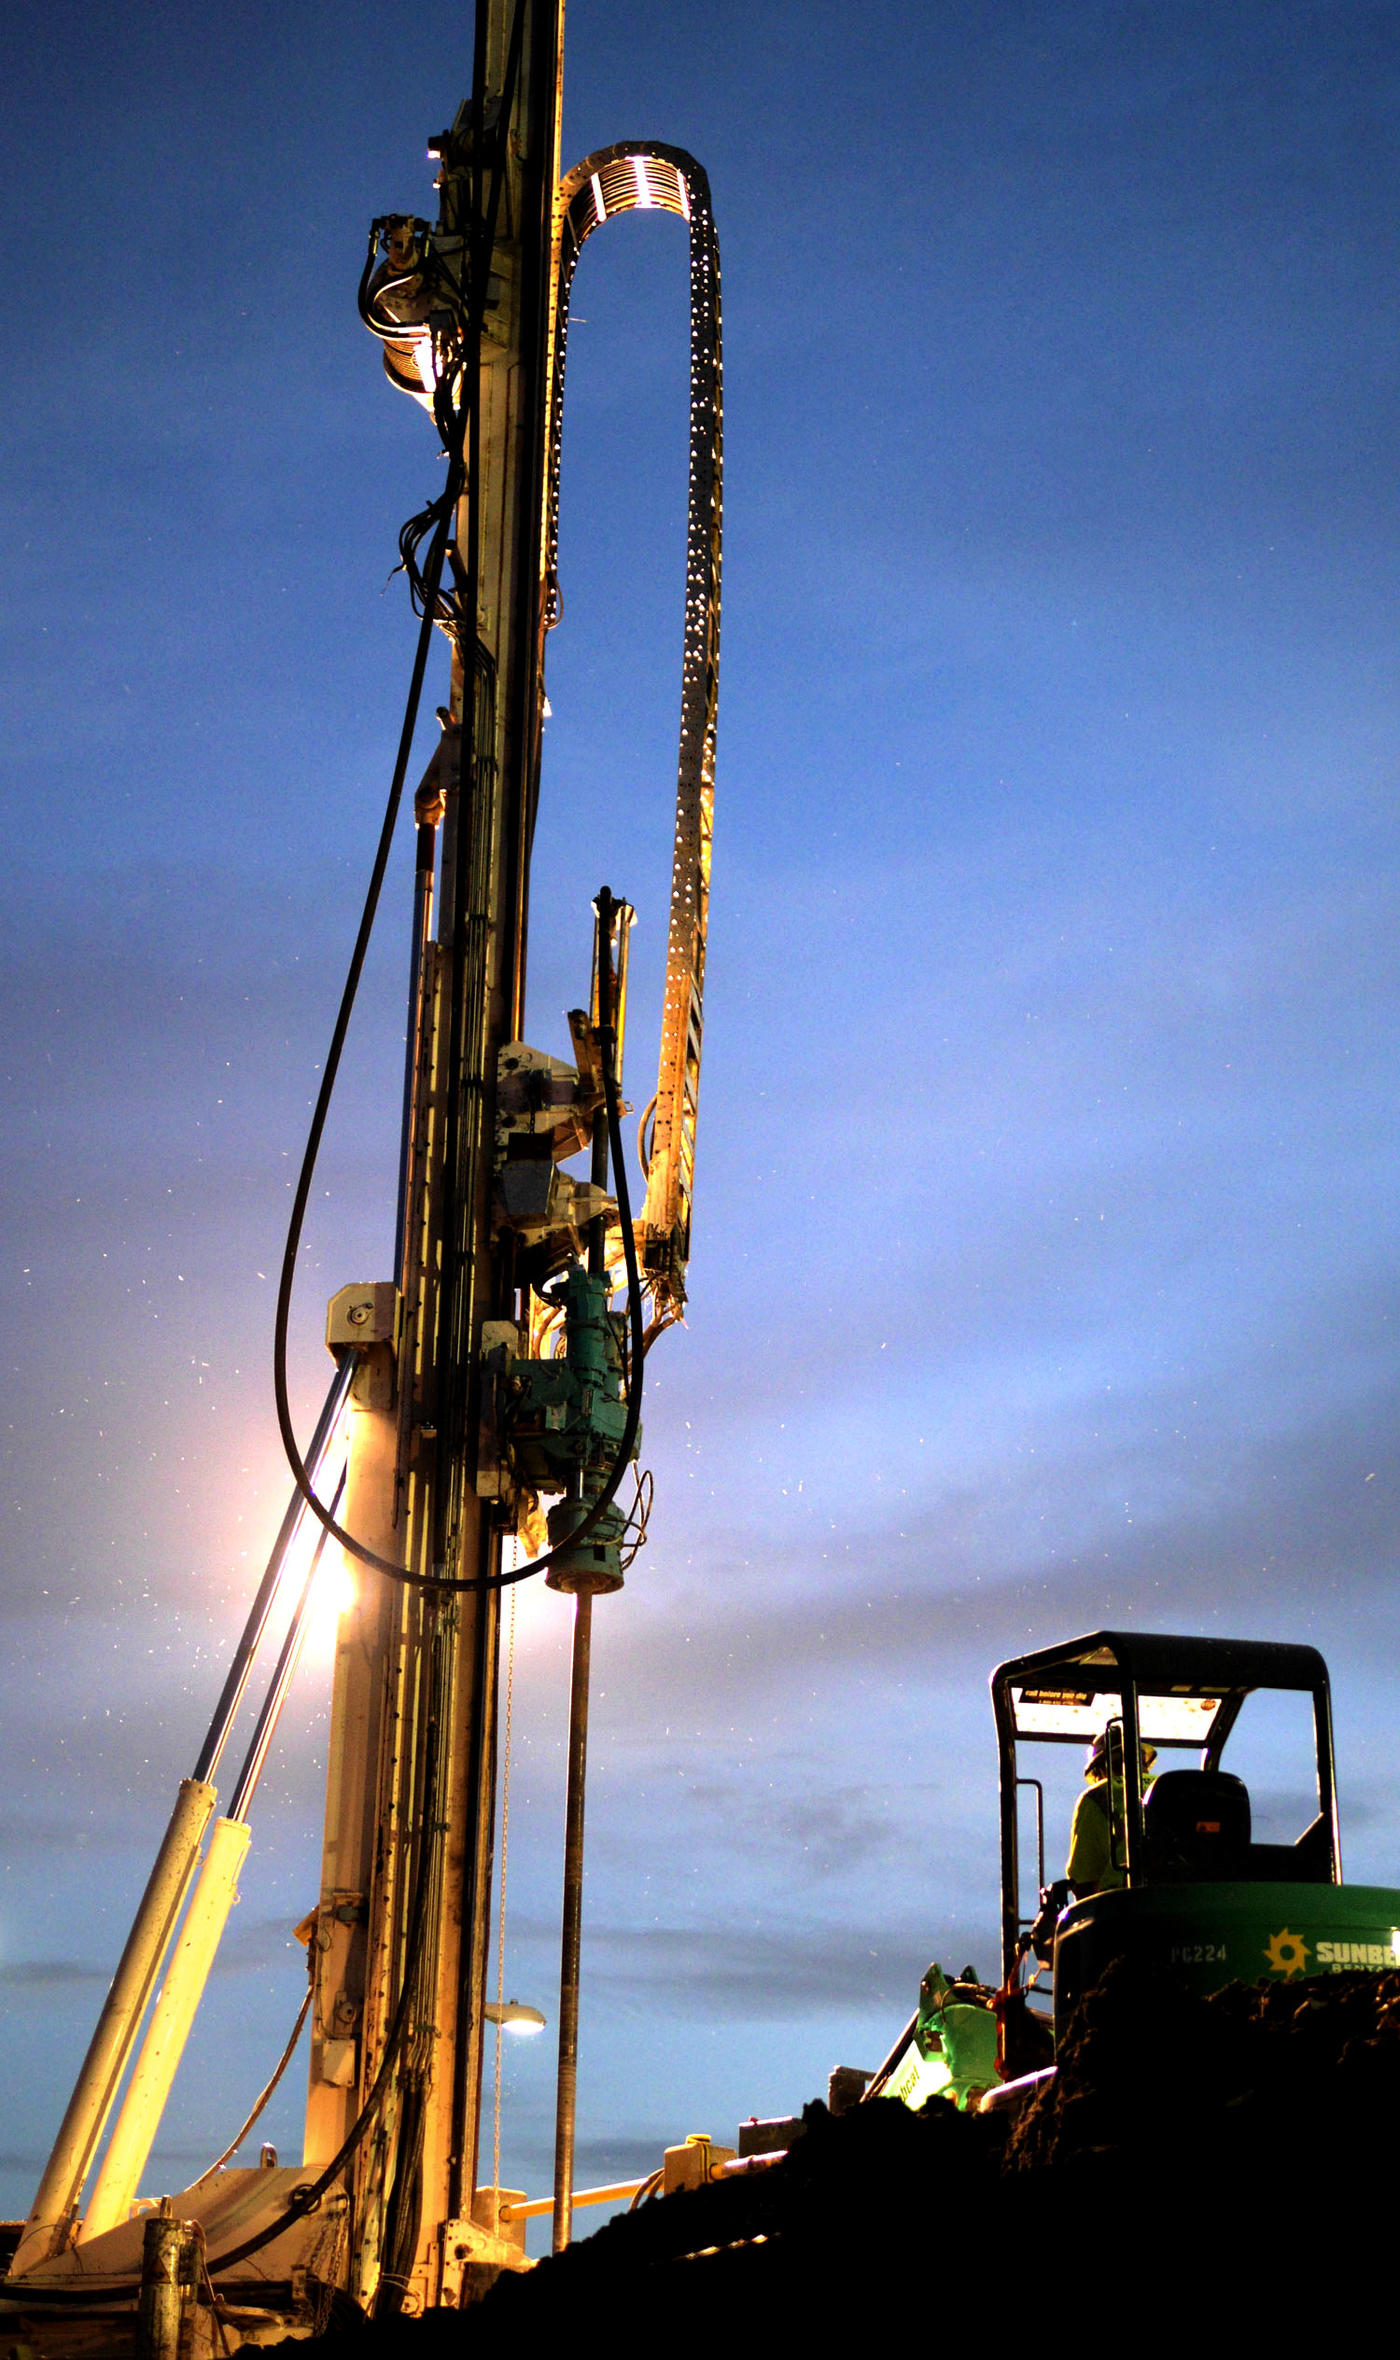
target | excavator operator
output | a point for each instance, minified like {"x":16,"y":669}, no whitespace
{"x":1091,"y":1867}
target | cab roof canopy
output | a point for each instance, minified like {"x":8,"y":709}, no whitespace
{"x":1189,"y":1690}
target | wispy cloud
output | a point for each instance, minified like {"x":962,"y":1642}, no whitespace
{"x":755,"y":1973}
{"x":42,"y":1976}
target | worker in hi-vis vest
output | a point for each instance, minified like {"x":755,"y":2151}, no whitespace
{"x":1091,"y":1866}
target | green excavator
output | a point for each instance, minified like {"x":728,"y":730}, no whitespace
{"x":1189,"y":1889}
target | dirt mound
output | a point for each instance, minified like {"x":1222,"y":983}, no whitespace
{"x":1236,"y":2152}
{"x":1243,"y":2077}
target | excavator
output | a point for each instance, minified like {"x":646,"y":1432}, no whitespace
{"x":1190,"y":1893}
{"x":483,"y":1420}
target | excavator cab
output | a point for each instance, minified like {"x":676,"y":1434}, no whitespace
{"x":1189,"y":1885}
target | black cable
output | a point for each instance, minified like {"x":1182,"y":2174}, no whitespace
{"x":447,"y":607}
{"x":453,"y":439}
{"x":282,"y":2063}
{"x":390,"y":331}
{"x":445,"y":506}
{"x":362,"y":297}
{"x":332,"y":1066}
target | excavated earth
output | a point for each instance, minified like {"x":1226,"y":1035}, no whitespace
{"x":1196,"y":2165}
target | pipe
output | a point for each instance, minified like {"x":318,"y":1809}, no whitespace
{"x":248,"y":1645}
{"x":571,"y":1935}
{"x":169,"y":2028}
{"x":214,"y":1897}
{"x":169,"y":2274}
{"x":67,"y":2168}
{"x":265,"y":1728}
{"x":538,"y":2205}
{"x":612,"y":921}
{"x":429,"y":807}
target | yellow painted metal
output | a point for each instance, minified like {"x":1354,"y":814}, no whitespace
{"x":117,"y":2027}
{"x":171,"y":2018}
{"x":367,"y":1646}
{"x":537,"y":2206}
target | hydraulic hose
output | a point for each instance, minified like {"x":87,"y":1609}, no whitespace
{"x":444,"y":509}
{"x":300,"y":1474}
{"x":454,"y":434}
{"x":607,"y":1036}
{"x":388,"y":331}
{"x":265,"y":2093}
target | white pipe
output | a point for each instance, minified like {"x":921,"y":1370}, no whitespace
{"x":117,"y":2027}
{"x":169,"y":2028}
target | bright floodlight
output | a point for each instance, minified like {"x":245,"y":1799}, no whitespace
{"x":514,"y":2016}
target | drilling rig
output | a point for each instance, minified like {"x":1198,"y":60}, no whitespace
{"x":484,"y":1414}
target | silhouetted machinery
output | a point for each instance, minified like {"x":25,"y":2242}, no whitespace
{"x":1182,"y":1887}
{"x":490,"y":1386}
{"x":1187,"y":1886}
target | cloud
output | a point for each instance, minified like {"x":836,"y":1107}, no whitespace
{"x":245,"y":1949}
{"x":623,"y":2157}
{"x":820,"y":1830}
{"x":729,"y":1973}
{"x":45,"y":1975}
{"x":1174,"y":1510}
{"x":47,"y":1835}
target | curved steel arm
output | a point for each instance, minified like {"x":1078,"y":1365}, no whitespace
{"x":639,"y":175}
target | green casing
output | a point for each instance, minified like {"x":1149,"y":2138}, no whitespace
{"x":1210,"y":1934}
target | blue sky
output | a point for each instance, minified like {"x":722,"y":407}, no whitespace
{"x":1045,"y":1269}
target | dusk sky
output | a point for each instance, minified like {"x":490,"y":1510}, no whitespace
{"x":1045,"y":1262}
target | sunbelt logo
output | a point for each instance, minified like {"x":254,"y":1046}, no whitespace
{"x":1339,"y":1955}
{"x":1287,"y":1954}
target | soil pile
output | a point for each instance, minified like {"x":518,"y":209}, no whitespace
{"x":1230,"y":2160}
{"x":1256,"y":2080}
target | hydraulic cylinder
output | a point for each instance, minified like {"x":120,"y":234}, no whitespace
{"x":169,"y":2028}
{"x":111,"y":2043}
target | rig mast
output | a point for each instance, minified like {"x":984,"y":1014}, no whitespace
{"x":489,"y":1375}
{"x":411,"y":1793}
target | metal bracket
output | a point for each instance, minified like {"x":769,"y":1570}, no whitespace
{"x":363,"y":1314}
{"x":472,"y":2255}
{"x":364,"y":1319}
